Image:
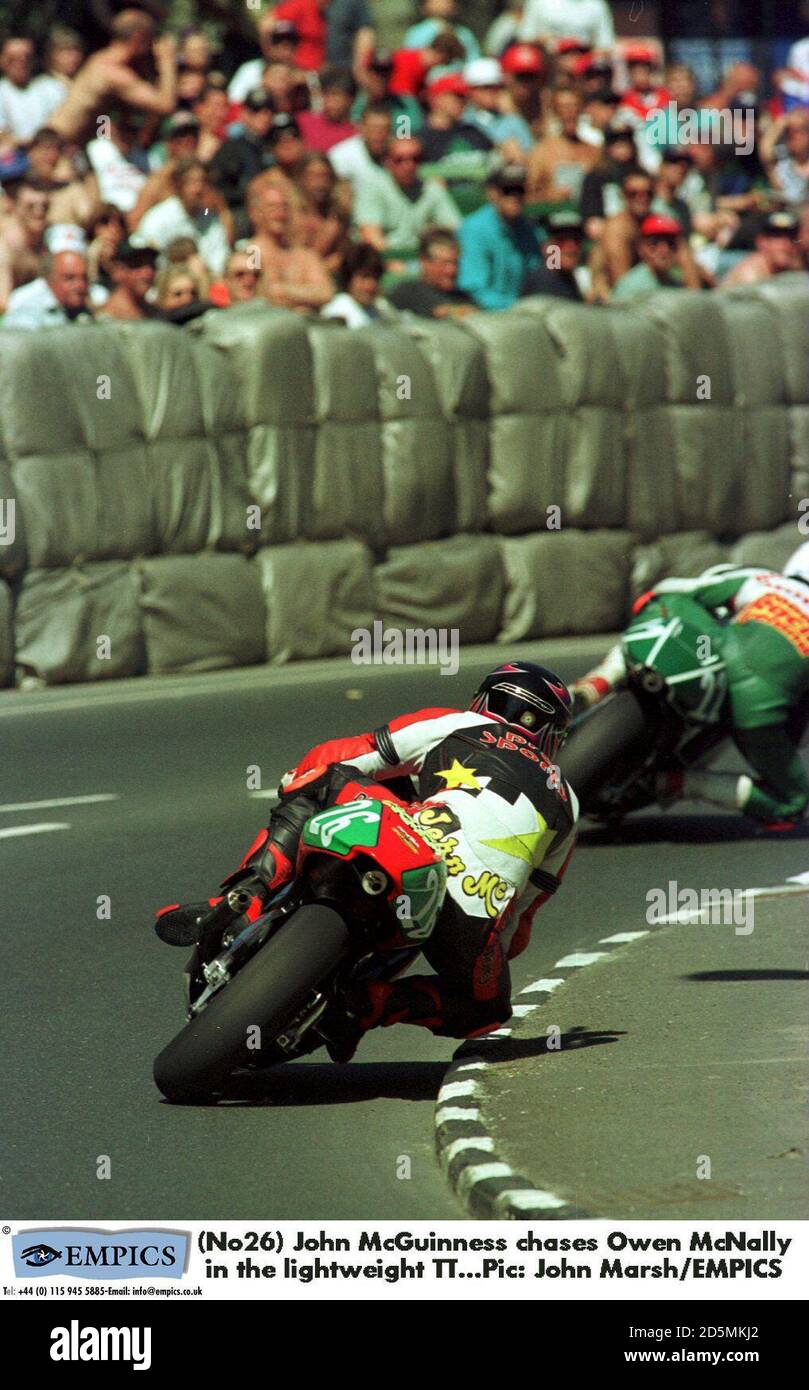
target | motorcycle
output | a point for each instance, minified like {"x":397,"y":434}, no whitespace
{"x":368,"y":888}
{"x":671,"y":714}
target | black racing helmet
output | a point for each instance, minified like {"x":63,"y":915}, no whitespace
{"x":530,"y":698}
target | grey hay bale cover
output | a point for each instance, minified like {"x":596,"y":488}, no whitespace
{"x":565,"y":582}
{"x":652,"y":493}
{"x":759,"y":377}
{"x":316,"y":595}
{"x":417,"y":456}
{"x":594,"y":392}
{"x":770,"y":549}
{"x":348,"y":484}
{"x":72,"y":431}
{"x":269,"y":360}
{"x":529,"y":429}
{"x":787,"y":298}
{"x":61,"y":614}
{"x":685,"y":555}
{"x":180,"y":462}
{"x":458,"y":365}
{"x":201,"y":612}
{"x":456,"y":583}
{"x":226,"y":440}
{"x":690,"y":554}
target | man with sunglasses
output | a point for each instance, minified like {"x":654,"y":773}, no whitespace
{"x":499,"y":246}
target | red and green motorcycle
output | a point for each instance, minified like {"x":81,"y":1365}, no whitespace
{"x":368,"y":889}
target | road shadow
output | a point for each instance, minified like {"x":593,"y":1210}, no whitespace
{"x":312,"y":1083}
{"x":502,"y":1050}
{"x":680,"y":830}
{"x":722,"y":976}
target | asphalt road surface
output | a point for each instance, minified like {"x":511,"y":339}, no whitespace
{"x":89,"y":1000}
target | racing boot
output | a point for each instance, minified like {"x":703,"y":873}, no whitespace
{"x":359,"y":1009}
{"x":181,"y":924}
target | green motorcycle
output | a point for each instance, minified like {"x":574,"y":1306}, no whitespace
{"x":671,"y":714}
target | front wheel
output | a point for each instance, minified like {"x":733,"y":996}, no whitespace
{"x":267,"y":993}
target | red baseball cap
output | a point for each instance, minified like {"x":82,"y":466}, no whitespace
{"x":450,"y":82}
{"x":588,"y":62}
{"x":573,"y":45}
{"x":658,"y":224}
{"x":640,"y":53}
{"x":523,"y":57}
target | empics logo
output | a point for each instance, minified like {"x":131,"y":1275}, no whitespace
{"x":75,"y":1343}
{"x":100,"y":1254}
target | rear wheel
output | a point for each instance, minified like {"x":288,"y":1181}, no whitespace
{"x":267,"y":993}
{"x":617,"y":734}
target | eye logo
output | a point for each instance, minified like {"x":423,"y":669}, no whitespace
{"x":40,"y":1255}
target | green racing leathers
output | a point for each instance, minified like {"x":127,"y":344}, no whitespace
{"x":765,"y":648}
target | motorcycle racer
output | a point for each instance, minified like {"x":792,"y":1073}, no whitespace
{"x":765,"y":649}
{"x":489,"y":795}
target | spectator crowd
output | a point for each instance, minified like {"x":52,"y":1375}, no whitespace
{"x":154,"y":176}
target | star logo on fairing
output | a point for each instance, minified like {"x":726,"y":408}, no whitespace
{"x":462,"y":778}
{"x":531,"y":846}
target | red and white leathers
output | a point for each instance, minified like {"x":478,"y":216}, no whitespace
{"x":505,"y":820}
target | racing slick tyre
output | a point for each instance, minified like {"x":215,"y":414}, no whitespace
{"x":611,"y":737}
{"x":267,"y":992}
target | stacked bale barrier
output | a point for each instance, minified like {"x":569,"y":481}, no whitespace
{"x":260,"y":486}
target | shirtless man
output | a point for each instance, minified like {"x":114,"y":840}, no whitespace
{"x":558,"y":164}
{"x":22,"y":238}
{"x":112,"y":76}
{"x":292,"y":277}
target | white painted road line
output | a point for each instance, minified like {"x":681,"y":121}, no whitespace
{"x":622,"y":936}
{"x":59,"y":801}
{"x":578,"y":959}
{"x":542,"y":987}
{"x":41,"y":829}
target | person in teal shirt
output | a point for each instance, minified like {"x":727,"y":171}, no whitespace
{"x":498,"y":243}
{"x":439,"y":15}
